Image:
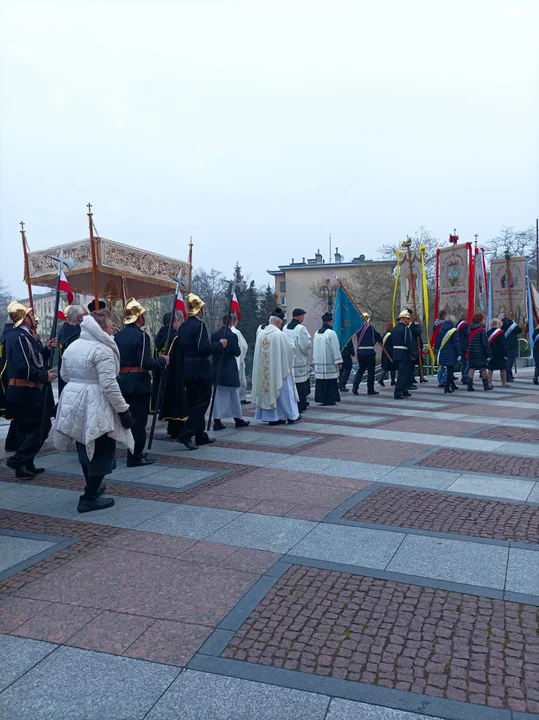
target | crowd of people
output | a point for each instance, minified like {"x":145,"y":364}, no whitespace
{"x":110,"y":377}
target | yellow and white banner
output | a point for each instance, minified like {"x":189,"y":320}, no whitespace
{"x":411,"y":287}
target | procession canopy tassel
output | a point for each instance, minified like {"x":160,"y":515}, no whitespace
{"x":94,"y":255}
{"x":26,"y":265}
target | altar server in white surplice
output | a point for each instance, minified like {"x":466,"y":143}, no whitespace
{"x":327,"y":361}
{"x":299,"y":335}
{"x":273,"y":391}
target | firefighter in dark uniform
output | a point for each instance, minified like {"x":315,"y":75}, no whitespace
{"x":134,"y":380}
{"x":347,"y":361}
{"x":367,"y":338}
{"x":68,"y":333}
{"x":196,"y":348}
{"x":402,"y":339}
{"x":160,"y":349}
{"x":27,"y":385}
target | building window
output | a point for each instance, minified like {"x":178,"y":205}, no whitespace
{"x":283,"y":301}
{"x":282,"y":286}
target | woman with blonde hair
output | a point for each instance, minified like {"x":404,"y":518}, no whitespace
{"x":496,"y":340}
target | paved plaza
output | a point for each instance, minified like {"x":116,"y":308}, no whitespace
{"x":378,"y":561}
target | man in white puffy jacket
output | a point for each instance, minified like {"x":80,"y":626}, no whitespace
{"x":91,"y":409}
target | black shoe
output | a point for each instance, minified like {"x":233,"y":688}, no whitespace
{"x":291,"y":422}
{"x":373,"y":392}
{"x":22,"y":473}
{"x":406,"y":395}
{"x":100,"y":491}
{"x":277,"y":422}
{"x":97,"y":503}
{"x":204,"y":440}
{"x":424,"y":380}
{"x":343,"y":389}
{"x":398,"y":397}
{"x":141,"y":462}
{"x":355,"y":391}
{"x":240,"y":422}
{"x":34,"y":470}
{"x":188,"y":443}
{"x":393,"y":383}
{"x":535,"y":381}
{"x":245,"y":402}
{"x":218,"y":425}
{"x":381,"y":383}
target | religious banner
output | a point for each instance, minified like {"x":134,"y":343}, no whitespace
{"x":454,"y":281}
{"x":509,"y":288}
{"x":481,"y":284}
{"x":411,"y":289}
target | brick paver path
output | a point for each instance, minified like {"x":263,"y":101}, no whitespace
{"x":396,"y":635}
{"x":448,"y":513}
{"x":494,"y":464}
{"x":510,"y":434}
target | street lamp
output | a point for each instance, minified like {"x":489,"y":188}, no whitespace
{"x":325,"y":292}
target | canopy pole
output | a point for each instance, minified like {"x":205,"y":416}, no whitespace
{"x":26,"y":265}
{"x":190,"y":283}
{"x":94,"y":256}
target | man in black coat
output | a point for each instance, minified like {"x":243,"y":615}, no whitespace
{"x":135,"y":382}
{"x":511,"y":331}
{"x":196,"y":347}
{"x":69,"y":332}
{"x":367,"y":338}
{"x":227,"y":377}
{"x":462,"y":329}
{"x":27,"y":385}
{"x":401,"y":337}
{"x":347,"y":361}
{"x":160,"y":349}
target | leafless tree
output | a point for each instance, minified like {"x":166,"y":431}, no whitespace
{"x":517,"y":242}
{"x":211,"y":287}
{"x":421,"y":237}
{"x":5,"y":299}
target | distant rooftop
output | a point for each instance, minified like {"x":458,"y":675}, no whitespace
{"x":338,"y":262}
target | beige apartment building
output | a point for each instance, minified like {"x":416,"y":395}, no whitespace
{"x":294,"y":282}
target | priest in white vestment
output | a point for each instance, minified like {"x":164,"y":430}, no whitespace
{"x":300,"y":338}
{"x":240,"y":360}
{"x":273,"y":391}
{"x":327,"y":360}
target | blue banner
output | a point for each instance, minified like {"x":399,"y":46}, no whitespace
{"x":348,"y":320}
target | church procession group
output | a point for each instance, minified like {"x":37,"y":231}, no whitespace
{"x":111,"y":376}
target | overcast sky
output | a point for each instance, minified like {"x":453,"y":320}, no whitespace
{"x":259,"y":127}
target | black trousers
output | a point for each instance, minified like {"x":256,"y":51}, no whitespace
{"x":412,"y":380}
{"x":403,"y":377}
{"x":384,"y":375}
{"x":303,"y":388}
{"x":25,"y":433}
{"x":198,"y":393}
{"x":140,"y":409}
{"x":450,"y":375}
{"x":368,"y":363}
{"x":345,"y":374}
{"x":102,"y":463}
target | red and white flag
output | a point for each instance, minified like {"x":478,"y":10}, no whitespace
{"x":63,"y":286}
{"x":235,"y":306}
{"x":180,"y":306}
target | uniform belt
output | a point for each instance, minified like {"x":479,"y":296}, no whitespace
{"x":16,"y":382}
{"x":125,"y":370}
{"x":400,"y":347}
{"x":365,"y":347}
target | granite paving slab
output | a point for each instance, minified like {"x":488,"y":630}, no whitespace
{"x":349,"y":710}
{"x":414,"y":476}
{"x":534,"y":495}
{"x":14,"y":550}
{"x":188,"y":521}
{"x":493,"y":486}
{"x":18,"y":656}
{"x":85,"y":685}
{"x":147,"y":585}
{"x":252,"y":437}
{"x":203,"y":696}
{"x":523,"y":572}
{"x":15,"y":496}
{"x":263,"y":532}
{"x":349,"y":545}
{"x":458,"y":561}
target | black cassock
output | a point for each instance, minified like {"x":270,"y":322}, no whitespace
{"x":173,"y":403}
{"x":159,"y":347}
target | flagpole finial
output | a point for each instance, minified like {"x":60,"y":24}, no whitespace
{"x":89,"y":206}
{"x":22,"y":226}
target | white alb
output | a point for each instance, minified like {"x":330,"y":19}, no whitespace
{"x":326,"y":355}
{"x":302,"y":342}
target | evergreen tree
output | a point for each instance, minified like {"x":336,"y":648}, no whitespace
{"x":249,"y":321}
{"x":267,"y":304}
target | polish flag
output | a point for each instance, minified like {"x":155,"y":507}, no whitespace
{"x":63,"y":286}
{"x":61,"y":316}
{"x":235,"y":306}
{"x":180,"y":306}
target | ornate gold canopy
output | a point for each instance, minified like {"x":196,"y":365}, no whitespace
{"x":146,"y":274}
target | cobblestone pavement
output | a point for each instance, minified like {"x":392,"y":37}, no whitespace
{"x":470,"y":461}
{"x":224,"y":584}
{"x":449,"y":514}
{"x":398,"y":636}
